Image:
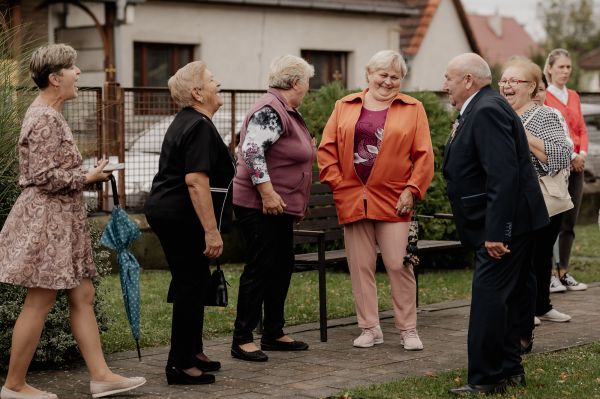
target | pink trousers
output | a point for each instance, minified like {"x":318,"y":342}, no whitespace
{"x":361,"y":240}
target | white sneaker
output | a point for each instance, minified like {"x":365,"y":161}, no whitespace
{"x":369,"y":337}
{"x":556,"y":285}
{"x":536,"y":321}
{"x":571,"y":284}
{"x":556,"y":316}
{"x":410,"y":340}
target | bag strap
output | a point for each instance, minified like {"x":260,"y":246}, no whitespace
{"x":531,"y":117}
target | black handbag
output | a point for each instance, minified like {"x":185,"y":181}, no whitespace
{"x":216,"y":294}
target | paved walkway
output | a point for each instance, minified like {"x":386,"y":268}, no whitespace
{"x":328,"y":368}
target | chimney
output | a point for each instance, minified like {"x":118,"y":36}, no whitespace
{"x":495,"y":23}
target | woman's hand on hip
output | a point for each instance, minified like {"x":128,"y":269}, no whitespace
{"x":405,"y":203}
{"x":214,"y":244}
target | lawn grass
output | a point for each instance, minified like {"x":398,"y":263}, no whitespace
{"x":302,"y":301}
{"x":571,"y":373}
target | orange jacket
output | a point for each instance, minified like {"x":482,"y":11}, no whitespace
{"x":405,"y":160}
{"x":572,"y":114}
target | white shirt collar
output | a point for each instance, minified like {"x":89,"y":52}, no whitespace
{"x":561,"y":94}
{"x":464,"y":107}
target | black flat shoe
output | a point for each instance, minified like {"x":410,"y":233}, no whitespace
{"x":256,"y":356}
{"x":470,"y":389}
{"x":516,"y":380}
{"x":208,"y":366}
{"x":176,"y":376}
{"x":275,"y":345}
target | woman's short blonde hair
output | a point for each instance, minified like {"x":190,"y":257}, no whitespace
{"x":186,"y":79}
{"x":287,"y":69}
{"x":50,"y":59}
{"x":531,"y":70}
{"x":386,"y":59}
{"x":552,"y":57}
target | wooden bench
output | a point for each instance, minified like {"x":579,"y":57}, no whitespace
{"x":321,"y":226}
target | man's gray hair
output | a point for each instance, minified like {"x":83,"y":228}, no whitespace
{"x":50,"y":59}
{"x":287,"y":69}
{"x":475,"y":65}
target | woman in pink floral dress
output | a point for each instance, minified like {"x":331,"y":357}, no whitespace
{"x":45,"y":243}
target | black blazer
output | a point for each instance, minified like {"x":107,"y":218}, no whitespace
{"x":491,"y":183}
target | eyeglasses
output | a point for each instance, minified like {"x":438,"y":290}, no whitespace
{"x":511,"y":82}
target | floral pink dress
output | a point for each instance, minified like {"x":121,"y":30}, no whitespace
{"x":45,"y":240}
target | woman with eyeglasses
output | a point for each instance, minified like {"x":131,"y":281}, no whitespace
{"x":558,"y":71}
{"x":550,"y":154}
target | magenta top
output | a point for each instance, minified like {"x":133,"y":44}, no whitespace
{"x":368,"y":135}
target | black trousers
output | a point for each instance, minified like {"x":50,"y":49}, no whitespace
{"x":499,"y":291}
{"x":267,"y":275}
{"x":538,"y":285}
{"x":542,"y":263}
{"x":569,"y":218}
{"x":183,"y":244}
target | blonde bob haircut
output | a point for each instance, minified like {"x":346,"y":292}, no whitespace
{"x":531,"y":71}
{"x":384,"y":60}
{"x":287,"y":69}
{"x":186,"y":79}
{"x":552,"y":57}
{"x":50,"y":59}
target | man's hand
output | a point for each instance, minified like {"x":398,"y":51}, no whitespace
{"x":496,"y":249}
{"x":578,"y":163}
{"x":214,"y":244}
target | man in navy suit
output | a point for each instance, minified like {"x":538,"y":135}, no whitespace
{"x":497,"y":204}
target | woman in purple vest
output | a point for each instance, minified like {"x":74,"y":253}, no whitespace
{"x":270,"y":191}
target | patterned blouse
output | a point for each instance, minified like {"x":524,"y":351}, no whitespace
{"x":264,"y":129}
{"x":546,"y":125}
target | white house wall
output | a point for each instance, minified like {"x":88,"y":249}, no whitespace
{"x":444,"y":39}
{"x":238,"y":43}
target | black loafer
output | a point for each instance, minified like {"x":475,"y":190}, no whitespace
{"x":256,"y":356}
{"x":176,"y":376}
{"x":208,"y":366}
{"x":471,"y":389}
{"x":516,"y":380}
{"x":275,"y":345}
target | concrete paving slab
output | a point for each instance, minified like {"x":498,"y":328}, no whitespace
{"x":330,"y":367}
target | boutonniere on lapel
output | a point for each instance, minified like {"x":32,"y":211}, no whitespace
{"x":453,"y":131}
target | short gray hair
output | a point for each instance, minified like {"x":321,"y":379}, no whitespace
{"x":475,"y":65}
{"x":286,"y":69}
{"x":387,"y":59}
{"x":50,"y":59}
{"x":184,"y":81}
{"x":552,"y":57}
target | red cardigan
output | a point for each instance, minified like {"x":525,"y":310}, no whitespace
{"x":574,"y":118}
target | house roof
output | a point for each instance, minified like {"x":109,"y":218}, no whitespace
{"x":414,"y":29}
{"x":590,"y":60}
{"x":388,"y":7}
{"x":500,"y":38}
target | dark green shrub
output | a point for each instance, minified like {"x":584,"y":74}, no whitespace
{"x":318,"y":105}
{"x":57,"y":345}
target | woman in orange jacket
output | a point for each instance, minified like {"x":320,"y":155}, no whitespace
{"x":376,"y":156}
{"x":558,"y":70}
